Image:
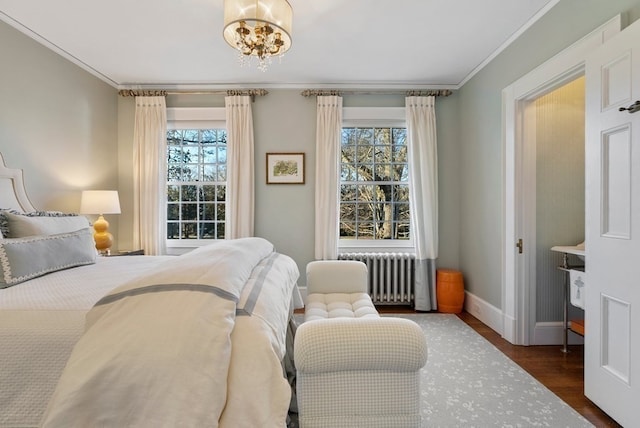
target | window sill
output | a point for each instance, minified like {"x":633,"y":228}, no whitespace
{"x":367,"y":247}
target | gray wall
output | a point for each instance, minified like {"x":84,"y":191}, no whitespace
{"x":70,"y":131}
{"x":285,"y":121}
{"x":57,"y":122}
{"x":480,"y":131}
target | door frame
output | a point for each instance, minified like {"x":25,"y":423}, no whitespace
{"x":518,"y":144}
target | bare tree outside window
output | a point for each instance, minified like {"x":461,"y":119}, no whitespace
{"x":196,"y":183}
{"x":374,"y":184}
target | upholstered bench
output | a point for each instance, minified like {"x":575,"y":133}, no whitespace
{"x":353,"y":367}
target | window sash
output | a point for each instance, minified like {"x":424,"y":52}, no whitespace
{"x":203,"y":210}
{"x":374,"y":118}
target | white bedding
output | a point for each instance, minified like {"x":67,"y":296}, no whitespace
{"x":42,"y":319}
{"x":78,"y":288}
{"x":198,"y":342}
{"x":40,"y":322}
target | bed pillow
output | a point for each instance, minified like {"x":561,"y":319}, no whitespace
{"x":42,"y":223}
{"x":26,"y":258}
{"x":4,"y":221}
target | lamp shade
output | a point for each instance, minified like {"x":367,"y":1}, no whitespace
{"x":259,"y":28}
{"x":274,"y":12}
{"x":100,"y":202}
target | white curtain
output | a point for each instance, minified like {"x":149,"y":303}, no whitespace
{"x":328,"y":135}
{"x":423,"y":196}
{"x":239,"y":214}
{"x":150,"y":174}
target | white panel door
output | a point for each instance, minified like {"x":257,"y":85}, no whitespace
{"x":612,"y":203}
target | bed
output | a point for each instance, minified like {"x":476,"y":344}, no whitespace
{"x":192,"y":340}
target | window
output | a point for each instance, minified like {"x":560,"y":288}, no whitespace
{"x":196,"y":181}
{"x":374,"y":183}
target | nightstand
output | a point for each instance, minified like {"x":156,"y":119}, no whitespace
{"x":127,"y":253}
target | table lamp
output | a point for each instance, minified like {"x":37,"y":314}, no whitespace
{"x":100,"y":202}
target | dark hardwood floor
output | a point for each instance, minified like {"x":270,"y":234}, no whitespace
{"x":561,"y":373}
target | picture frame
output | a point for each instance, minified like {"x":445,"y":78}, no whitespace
{"x":285,"y":168}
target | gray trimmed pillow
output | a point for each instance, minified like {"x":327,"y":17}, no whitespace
{"x":22,"y":259}
{"x":37,"y":223}
{"x":4,"y":221}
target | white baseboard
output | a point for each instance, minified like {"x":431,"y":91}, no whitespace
{"x":552,"y":333}
{"x":485,"y":312}
{"x":509,"y":332}
{"x":545,"y":333}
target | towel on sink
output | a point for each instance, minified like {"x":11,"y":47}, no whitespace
{"x":577,"y":281}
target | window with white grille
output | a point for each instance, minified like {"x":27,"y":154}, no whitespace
{"x":196,"y":177}
{"x":196,"y":183}
{"x":374,"y":183}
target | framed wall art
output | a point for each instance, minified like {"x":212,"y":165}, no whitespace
{"x":285,"y":168}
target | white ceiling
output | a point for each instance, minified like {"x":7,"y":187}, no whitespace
{"x":336,"y":43}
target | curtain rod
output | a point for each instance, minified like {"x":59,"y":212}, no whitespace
{"x":408,"y":93}
{"x":163,"y":93}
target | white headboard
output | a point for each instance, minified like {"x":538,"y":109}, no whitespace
{"x":12,"y":191}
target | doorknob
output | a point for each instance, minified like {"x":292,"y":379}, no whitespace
{"x":632,"y":108}
{"x":519,"y":245}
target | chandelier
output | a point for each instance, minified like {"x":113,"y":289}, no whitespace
{"x":258,"y":28}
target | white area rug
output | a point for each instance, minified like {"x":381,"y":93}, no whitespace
{"x":468,"y":382}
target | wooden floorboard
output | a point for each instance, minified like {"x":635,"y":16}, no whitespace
{"x":562,"y":373}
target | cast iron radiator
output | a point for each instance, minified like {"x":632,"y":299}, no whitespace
{"x":391,"y":276}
